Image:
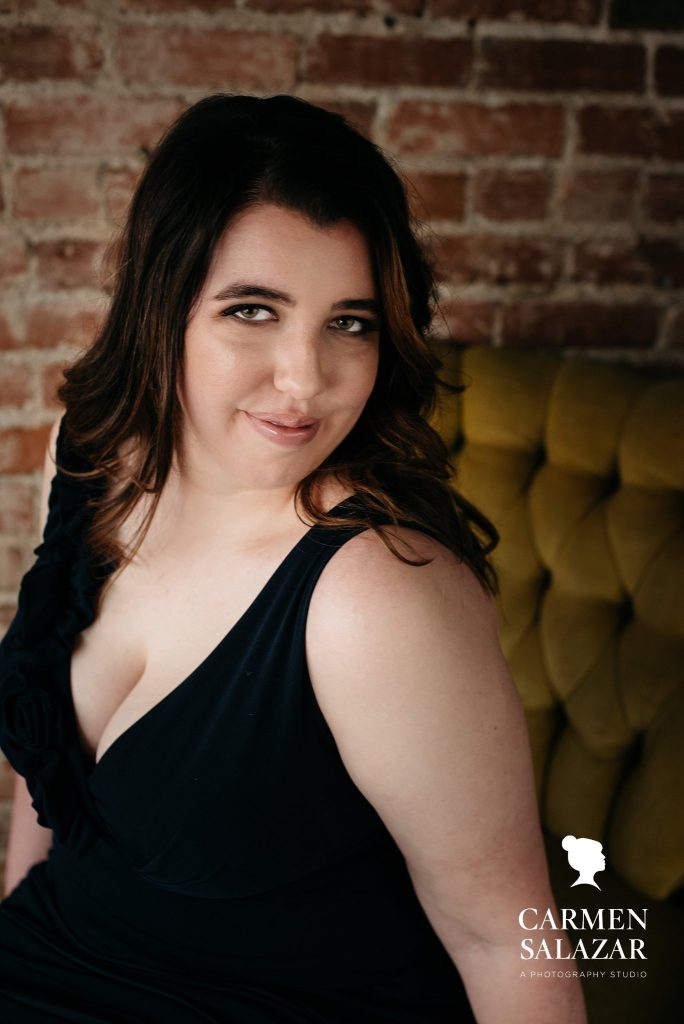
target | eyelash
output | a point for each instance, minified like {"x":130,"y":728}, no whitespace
{"x":367,"y":326}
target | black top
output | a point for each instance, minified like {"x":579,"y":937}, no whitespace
{"x":218,"y":863}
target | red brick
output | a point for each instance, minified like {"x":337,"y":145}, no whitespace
{"x":55,"y":192}
{"x":512,"y":195}
{"x":498,"y":260}
{"x":648,"y":261}
{"x":661,"y":15}
{"x":561,"y":64}
{"x":632,"y":131}
{"x":16,"y":507}
{"x":8,"y":337}
{"x":189,"y":56}
{"x":13,"y":261}
{"x":52,"y":377}
{"x":579,"y":12}
{"x":581,"y":324}
{"x":180,"y":6}
{"x":440,"y":196}
{"x":15,"y":385}
{"x":669,"y":70}
{"x":467,"y":323}
{"x":664,"y":198}
{"x":69,"y":263}
{"x":22,"y":449}
{"x":359,"y":114}
{"x":119,"y":185}
{"x":412,"y":7}
{"x":453,"y":129}
{"x":50,"y":324}
{"x":326,"y":6}
{"x":87,"y":123}
{"x":30,"y":52}
{"x":12,"y":566}
{"x":599,"y":195}
{"x":366,"y":60}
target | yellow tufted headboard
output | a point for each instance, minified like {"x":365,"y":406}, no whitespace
{"x":580,"y":465}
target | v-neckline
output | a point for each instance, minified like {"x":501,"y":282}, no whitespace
{"x":91,"y":765}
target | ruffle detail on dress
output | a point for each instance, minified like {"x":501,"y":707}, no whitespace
{"x":56,"y":601}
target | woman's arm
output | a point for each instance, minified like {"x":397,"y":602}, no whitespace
{"x":28,"y":841}
{"x":408,"y":671}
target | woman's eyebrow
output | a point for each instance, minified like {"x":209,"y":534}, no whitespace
{"x":242,"y":290}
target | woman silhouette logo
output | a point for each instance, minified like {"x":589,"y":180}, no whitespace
{"x":586,"y":857}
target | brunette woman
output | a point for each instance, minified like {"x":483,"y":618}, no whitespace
{"x":271,"y":764}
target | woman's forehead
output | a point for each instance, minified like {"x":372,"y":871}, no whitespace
{"x":283,"y":248}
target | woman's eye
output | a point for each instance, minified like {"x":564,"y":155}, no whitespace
{"x":355,"y":325}
{"x":261,"y":314}
{"x":249,"y":314}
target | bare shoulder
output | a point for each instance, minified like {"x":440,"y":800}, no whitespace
{"x":389,"y":644}
{"x":366,"y":582}
{"x":406,"y":666}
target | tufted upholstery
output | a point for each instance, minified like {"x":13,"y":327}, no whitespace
{"x":580,"y":465}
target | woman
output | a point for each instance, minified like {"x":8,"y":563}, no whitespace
{"x":329,"y":817}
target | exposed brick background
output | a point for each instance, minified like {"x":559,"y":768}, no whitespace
{"x":543,"y":141}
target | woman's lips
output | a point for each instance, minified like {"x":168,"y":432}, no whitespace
{"x":285,"y":436}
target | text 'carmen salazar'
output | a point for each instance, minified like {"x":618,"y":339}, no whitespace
{"x":586,"y":948}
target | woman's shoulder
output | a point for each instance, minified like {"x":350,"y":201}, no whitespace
{"x":366,"y":579}
{"x":407,"y":669}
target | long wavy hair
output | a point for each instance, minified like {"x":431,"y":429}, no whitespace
{"x":223,"y":155}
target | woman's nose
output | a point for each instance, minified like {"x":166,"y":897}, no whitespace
{"x":299,"y":368}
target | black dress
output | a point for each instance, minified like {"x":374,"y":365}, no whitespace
{"x":217,"y":864}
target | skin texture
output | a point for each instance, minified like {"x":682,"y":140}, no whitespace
{"x":404,"y":661}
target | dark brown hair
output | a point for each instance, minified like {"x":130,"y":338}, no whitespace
{"x":224,"y":154}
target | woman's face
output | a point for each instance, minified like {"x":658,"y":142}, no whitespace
{"x":285,"y":329}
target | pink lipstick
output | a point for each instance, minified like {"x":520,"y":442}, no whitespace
{"x":285,"y":429}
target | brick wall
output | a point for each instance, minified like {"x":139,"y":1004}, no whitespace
{"x":544,"y":138}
